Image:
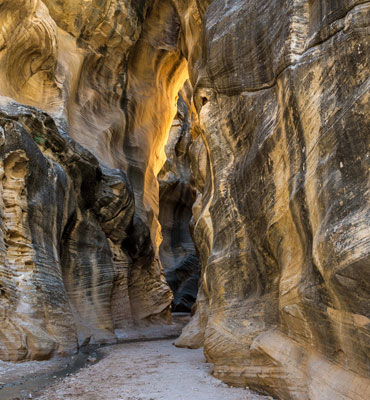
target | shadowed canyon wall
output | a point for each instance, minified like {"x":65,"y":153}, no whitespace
{"x":277,"y":174}
{"x":282,"y":95}
{"x":80,"y":232}
{"x":176,"y":198}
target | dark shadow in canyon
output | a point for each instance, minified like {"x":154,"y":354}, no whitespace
{"x":176,"y":197}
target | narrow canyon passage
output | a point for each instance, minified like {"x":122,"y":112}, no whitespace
{"x":201,"y":156}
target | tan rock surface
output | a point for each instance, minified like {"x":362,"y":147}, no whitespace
{"x":67,"y":278}
{"x":78,"y":261}
{"x":280,"y":169}
{"x":282,"y":94}
{"x":176,"y":198}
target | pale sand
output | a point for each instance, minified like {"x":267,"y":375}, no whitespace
{"x":154,"y":370}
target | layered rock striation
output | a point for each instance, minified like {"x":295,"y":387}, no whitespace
{"x":176,"y":198}
{"x":69,"y":268}
{"x":78,"y":259}
{"x":282,"y":96}
{"x":277,"y":174}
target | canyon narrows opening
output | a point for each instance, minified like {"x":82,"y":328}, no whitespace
{"x":123,"y":121}
{"x":176,"y":198}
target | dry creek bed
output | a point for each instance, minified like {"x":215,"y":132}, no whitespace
{"x":136,"y":370}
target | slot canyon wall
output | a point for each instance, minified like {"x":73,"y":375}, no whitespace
{"x":176,"y":198}
{"x":270,"y":147}
{"x":79,"y":232}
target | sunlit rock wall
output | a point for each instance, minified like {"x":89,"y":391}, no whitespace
{"x":279,"y":160}
{"x":79,"y":259}
{"x":282,"y":94}
{"x":176,"y":198}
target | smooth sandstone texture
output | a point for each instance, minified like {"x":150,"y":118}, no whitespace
{"x":282,"y":96}
{"x":67,"y":277}
{"x":176,"y":198}
{"x":78,"y":261}
{"x":279,"y":160}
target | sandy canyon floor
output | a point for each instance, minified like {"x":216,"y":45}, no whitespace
{"x":147,"y":366}
{"x":145,"y":370}
{"x":154,"y":370}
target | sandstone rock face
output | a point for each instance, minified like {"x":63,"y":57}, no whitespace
{"x":68,"y":273}
{"x":176,"y":198}
{"x":279,"y":161}
{"x":77,"y":258}
{"x":282,"y":94}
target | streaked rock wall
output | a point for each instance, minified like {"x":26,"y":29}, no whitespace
{"x":279,"y":161}
{"x":282,"y":95}
{"x":176,"y":198}
{"x":79,"y":257}
{"x":69,"y":272}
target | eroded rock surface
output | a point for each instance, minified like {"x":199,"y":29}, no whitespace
{"x":68,"y":272}
{"x":279,"y":160}
{"x":79,"y":259}
{"x":282,"y":94}
{"x":176,"y":198}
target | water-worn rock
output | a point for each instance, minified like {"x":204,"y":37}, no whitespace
{"x":176,"y":198}
{"x":66,"y":276}
{"x":78,"y":261}
{"x":279,"y":158}
{"x":282,"y":94}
